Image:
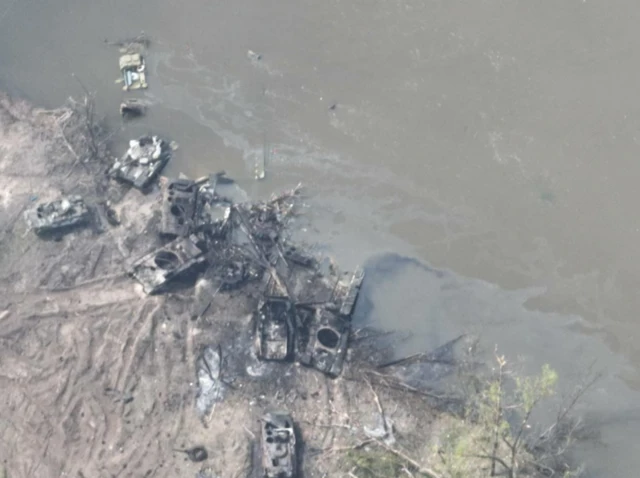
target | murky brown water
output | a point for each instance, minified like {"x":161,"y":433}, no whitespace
{"x":496,"y":139}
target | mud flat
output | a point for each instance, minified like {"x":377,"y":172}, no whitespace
{"x":97,"y":378}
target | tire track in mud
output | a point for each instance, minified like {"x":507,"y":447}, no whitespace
{"x":149,"y":373}
{"x":68,"y":311}
{"x":130,"y":339}
{"x":125,"y":343}
{"x":68,"y":350}
{"x":96,"y":379}
{"x":168,"y":359}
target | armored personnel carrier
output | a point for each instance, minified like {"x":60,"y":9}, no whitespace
{"x":278,"y":446}
{"x":58,"y":216}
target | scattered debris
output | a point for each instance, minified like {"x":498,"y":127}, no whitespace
{"x":119,"y":396}
{"x":327,"y":346}
{"x":141,"y":41}
{"x":207,"y":473}
{"x":111,"y":214}
{"x":382,"y":431}
{"x":142,"y":162}
{"x":253,"y":56}
{"x":235,"y":243}
{"x":230,"y":267}
{"x":301,"y":309}
{"x":195,"y":454}
{"x":212,"y":212}
{"x":275,"y":330}
{"x":60,"y":215}
{"x":195,"y":207}
{"x":350,"y":292}
{"x":132,"y":108}
{"x":433,"y":372}
{"x":259,"y":170}
{"x":178,"y":208}
{"x":132,"y":68}
{"x":176,"y":260}
{"x":233,"y":274}
{"x":211,"y":389}
{"x":297,"y":256}
{"x":278,"y":446}
{"x":220,"y":178}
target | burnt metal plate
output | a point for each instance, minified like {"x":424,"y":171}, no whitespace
{"x":275,"y":322}
{"x":277,"y":446}
{"x":327,"y":344}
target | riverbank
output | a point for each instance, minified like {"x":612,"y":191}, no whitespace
{"x":99,"y":377}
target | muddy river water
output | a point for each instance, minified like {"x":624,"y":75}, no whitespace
{"x":496,"y":143}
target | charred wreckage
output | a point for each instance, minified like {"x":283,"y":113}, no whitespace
{"x":237,"y":243}
{"x":204,"y":232}
{"x":304,"y":313}
{"x":278,"y":446}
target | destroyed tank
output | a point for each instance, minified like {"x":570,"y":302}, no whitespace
{"x":277,"y":446}
{"x":174,"y":261}
{"x":62,"y":214}
{"x":327,"y":345}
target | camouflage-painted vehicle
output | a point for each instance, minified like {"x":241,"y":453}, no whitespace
{"x":132,"y":68}
{"x":142,"y":162}
{"x":58,"y":216}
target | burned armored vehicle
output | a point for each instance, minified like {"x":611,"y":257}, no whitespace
{"x":58,"y":216}
{"x":277,"y":446}
{"x":175,"y":261}
{"x":142,"y":162}
{"x":326,"y":347}
{"x":229,"y":265}
{"x":347,"y":292}
{"x":132,"y":108}
{"x":212,"y":212}
{"x":178,"y":208}
{"x":275,"y":325}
